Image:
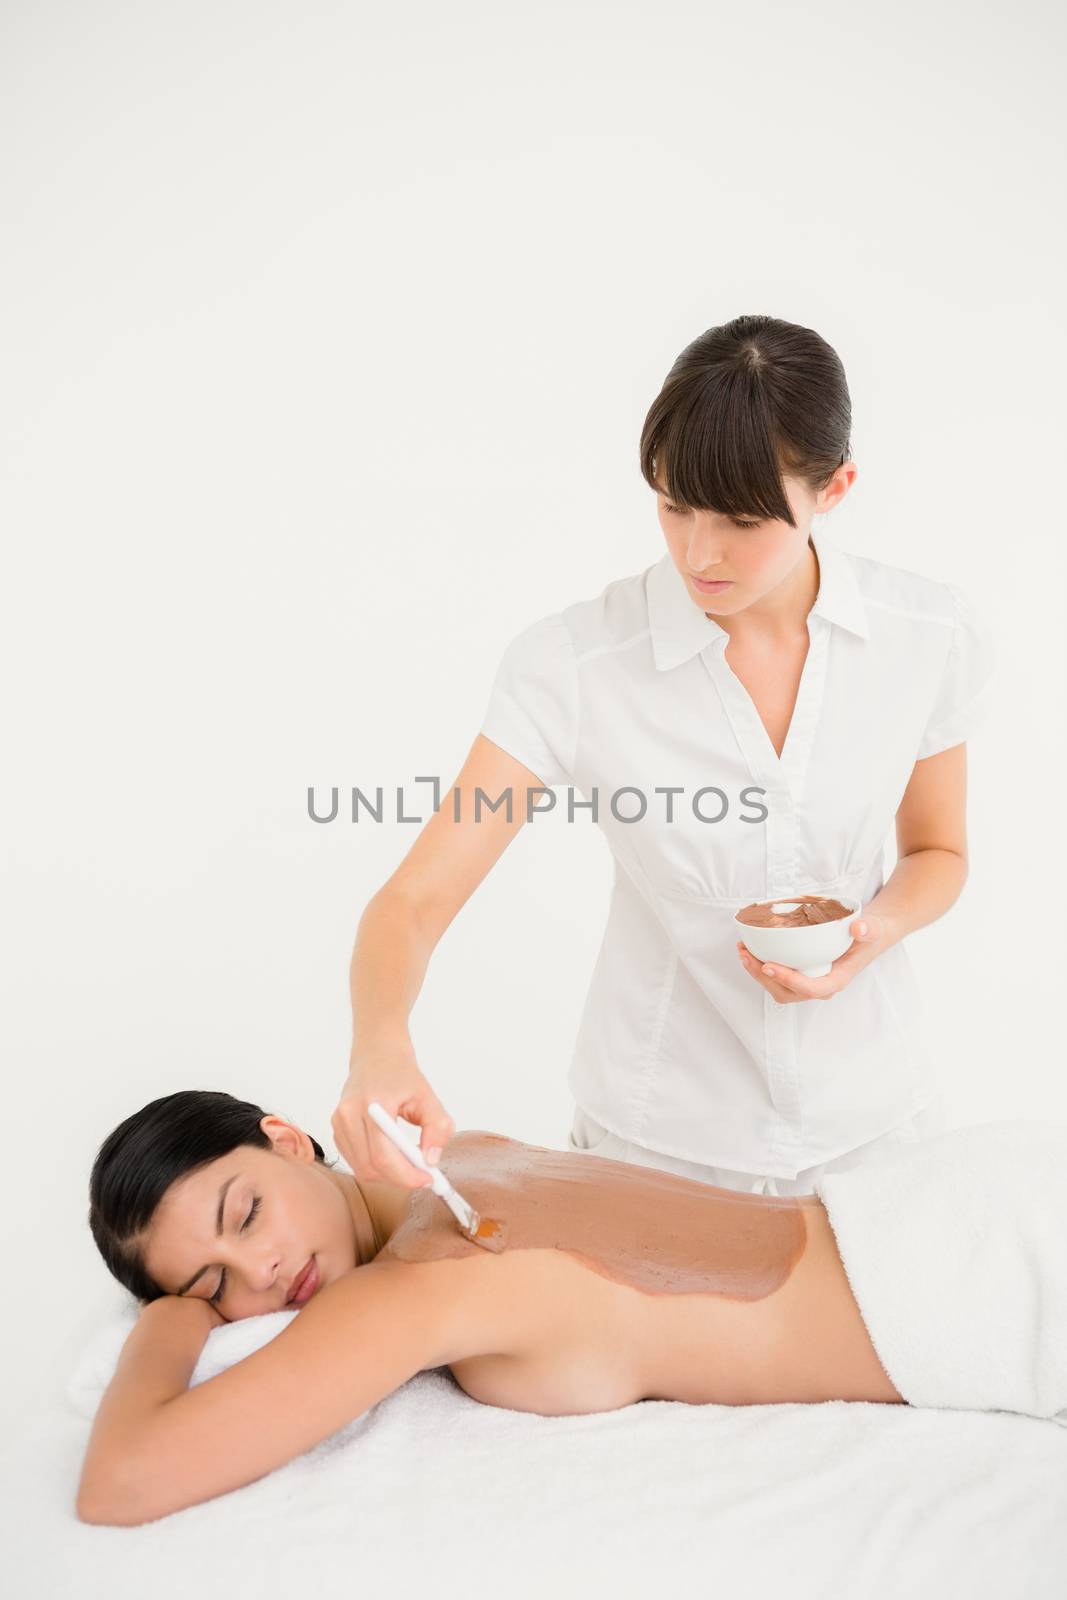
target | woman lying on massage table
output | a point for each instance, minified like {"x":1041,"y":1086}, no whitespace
{"x":618,"y":1283}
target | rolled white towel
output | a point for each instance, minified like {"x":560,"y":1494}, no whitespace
{"x":956,"y":1251}
{"x":224,"y":1346}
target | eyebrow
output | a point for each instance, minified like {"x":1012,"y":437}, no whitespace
{"x":218,"y":1232}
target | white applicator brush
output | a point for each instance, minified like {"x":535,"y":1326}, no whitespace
{"x":481,"y":1230}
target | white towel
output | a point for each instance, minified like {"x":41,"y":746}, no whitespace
{"x":956,"y":1251}
{"x":223,"y":1347}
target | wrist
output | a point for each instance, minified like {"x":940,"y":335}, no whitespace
{"x":371,"y":1036}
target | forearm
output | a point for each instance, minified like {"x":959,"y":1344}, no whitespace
{"x":389,"y":962}
{"x":356,"y":1341}
{"x":921,"y":888}
{"x":155,"y":1364}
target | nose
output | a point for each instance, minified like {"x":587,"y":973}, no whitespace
{"x":262,"y":1273}
{"x":705,"y":546}
{"x":270,"y":1271}
{"x":703,"y":557}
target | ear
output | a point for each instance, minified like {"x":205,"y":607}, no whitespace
{"x":286,"y":1137}
{"x":836,"y":490}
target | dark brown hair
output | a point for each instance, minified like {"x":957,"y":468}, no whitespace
{"x":743,"y":404}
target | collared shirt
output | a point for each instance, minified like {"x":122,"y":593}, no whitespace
{"x":678,"y":1048}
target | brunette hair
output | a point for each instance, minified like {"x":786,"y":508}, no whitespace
{"x":743,"y":404}
{"x":141,"y":1158}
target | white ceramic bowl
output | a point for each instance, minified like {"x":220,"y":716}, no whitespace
{"x":812,"y":949}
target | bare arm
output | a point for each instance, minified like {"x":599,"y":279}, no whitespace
{"x":931,"y":827}
{"x":397,"y":934}
{"x":403,"y":923}
{"x":157,"y":1446}
{"x":930,"y":872}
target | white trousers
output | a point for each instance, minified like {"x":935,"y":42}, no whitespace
{"x":590,"y":1138}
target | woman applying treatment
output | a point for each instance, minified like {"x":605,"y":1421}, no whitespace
{"x":618,"y":1284}
{"x":766,"y":707}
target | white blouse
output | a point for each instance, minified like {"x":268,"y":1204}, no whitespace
{"x":678,"y":1048}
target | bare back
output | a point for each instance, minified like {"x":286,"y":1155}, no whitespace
{"x":627,"y":1283}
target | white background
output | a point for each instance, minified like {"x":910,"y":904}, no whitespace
{"x":329,"y":331}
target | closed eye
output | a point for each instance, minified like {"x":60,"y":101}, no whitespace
{"x":737,"y":522}
{"x":217,"y":1296}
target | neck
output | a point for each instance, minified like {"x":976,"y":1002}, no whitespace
{"x":376,"y":1209}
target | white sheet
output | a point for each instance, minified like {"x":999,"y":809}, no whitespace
{"x":831,"y":1501}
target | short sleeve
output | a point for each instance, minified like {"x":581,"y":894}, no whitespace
{"x":964,"y":694}
{"x":533,"y":707}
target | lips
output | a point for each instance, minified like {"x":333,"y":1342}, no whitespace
{"x":300,"y":1280}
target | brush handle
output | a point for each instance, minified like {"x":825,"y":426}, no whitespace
{"x":460,"y":1208}
{"x":393,"y":1131}
{"x":406,"y":1145}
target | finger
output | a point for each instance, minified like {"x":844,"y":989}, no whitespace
{"x":785,"y":977}
{"x":868,"y":929}
{"x":350,"y":1135}
{"x":392,"y":1167}
{"x":793,"y":982}
{"x":436,"y":1124}
{"x":777,"y":991}
{"x":371,"y":1155}
{"x":748,"y":961}
{"x":751,"y":965}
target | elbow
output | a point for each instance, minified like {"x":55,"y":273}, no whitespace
{"x":98,"y":1513}
{"x":109,"y":1503}
{"x":100,"y":1510}
{"x":414,"y":906}
{"x":109,"y":1512}
{"x":963,"y":870}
